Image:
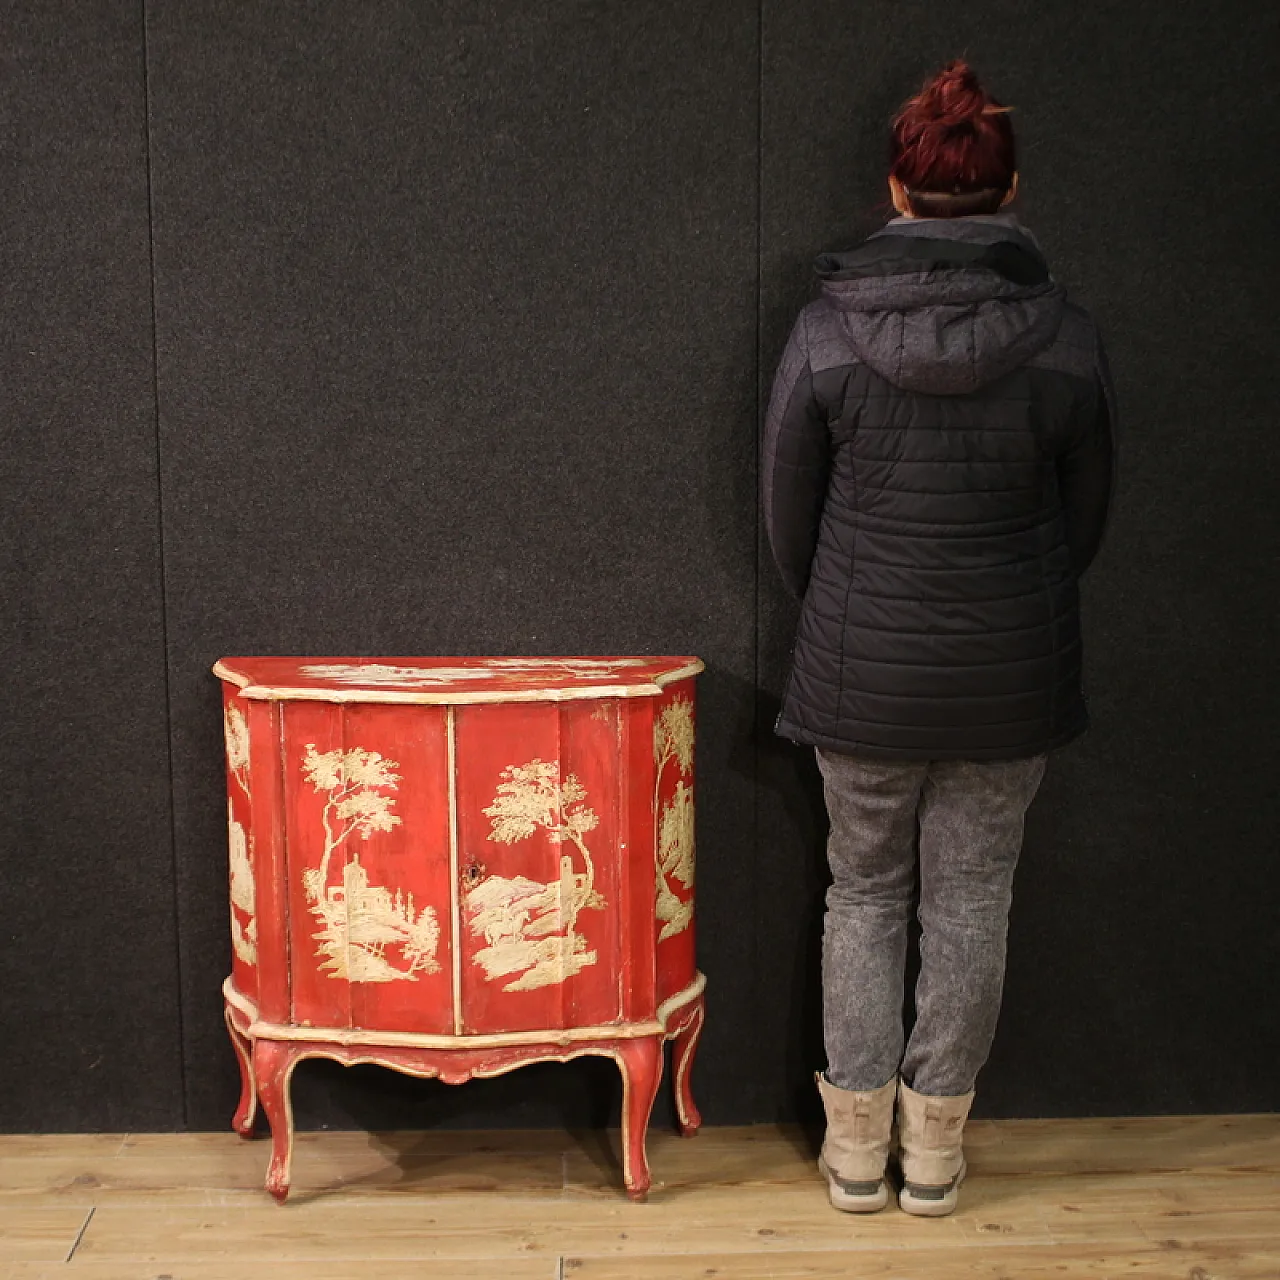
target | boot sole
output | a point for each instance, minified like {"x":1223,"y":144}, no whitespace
{"x":846,"y":1202}
{"x":940,"y":1208}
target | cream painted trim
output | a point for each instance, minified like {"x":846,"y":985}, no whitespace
{"x":681,"y":998}
{"x":429,"y":1073}
{"x":685,"y":1061}
{"x":283,"y":1165}
{"x":244,"y":1051}
{"x":265,"y":693}
{"x":241,"y":1003}
{"x":455,"y":866}
{"x":412,"y":1040}
{"x":258,"y":1029}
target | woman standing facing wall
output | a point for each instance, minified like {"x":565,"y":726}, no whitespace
{"x":937,"y":471}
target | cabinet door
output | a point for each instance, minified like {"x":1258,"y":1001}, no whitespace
{"x":539,"y":852}
{"x":368,"y":857}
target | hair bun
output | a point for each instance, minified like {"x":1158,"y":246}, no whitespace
{"x":954,"y":96}
{"x":953,"y":138}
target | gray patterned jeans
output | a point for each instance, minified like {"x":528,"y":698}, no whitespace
{"x":960,"y":823}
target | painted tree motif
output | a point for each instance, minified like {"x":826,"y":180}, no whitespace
{"x":673,"y":741}
{"x":244,"y":933}
{"x":530,"y":927}
{"x":675,"y":862}
{"x":360,"y":921}
{"x":235,"y":732}
{"x":244,"y":937}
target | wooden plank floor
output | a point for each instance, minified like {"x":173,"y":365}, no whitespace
{"x":1193,"y":1198}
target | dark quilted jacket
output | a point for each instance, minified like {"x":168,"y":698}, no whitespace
{"x":937,"y":468}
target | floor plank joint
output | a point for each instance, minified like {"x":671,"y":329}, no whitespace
{"x":84,"y":1226}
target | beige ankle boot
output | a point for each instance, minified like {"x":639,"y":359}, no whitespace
{"x":930,"y":1131}
{"x":857,"y":1145}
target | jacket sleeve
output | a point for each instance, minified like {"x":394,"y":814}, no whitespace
{"x":1086,"y":471}
{"x":795,"y":464}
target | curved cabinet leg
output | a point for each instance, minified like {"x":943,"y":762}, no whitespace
{"x":273,"y":1064}
{"x":641,"y":1064}
{"x":684,"y":1048}
{"x":247,"y":1111}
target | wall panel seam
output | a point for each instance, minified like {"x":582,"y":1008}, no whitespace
{"x":754,"y":719}
{"x":164,"y":601}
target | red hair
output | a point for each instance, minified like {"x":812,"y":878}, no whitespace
{"x":953,"y":140}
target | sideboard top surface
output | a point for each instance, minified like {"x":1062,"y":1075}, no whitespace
{"x":453,"y":680}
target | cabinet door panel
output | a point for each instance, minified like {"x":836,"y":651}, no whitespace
{"x":311,"y":739}
{"x":538,"y":828}
{"x":400,"y":922}
{"x":369,"y":866}
{"x":591,"y":752}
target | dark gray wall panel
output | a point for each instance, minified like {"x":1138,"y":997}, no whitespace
{"x":88,"y":986}
{"x":456,"y":327}
{"x":1142,"y":949}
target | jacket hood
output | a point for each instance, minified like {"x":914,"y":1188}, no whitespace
{"x":945,"y":306}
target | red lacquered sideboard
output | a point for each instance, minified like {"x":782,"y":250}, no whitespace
{"x":455,"y":866}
